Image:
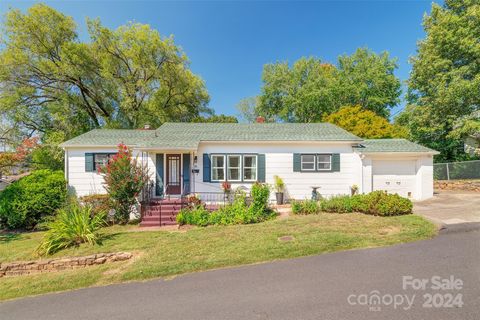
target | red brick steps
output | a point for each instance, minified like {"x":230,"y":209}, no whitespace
{"x":161,"y":213}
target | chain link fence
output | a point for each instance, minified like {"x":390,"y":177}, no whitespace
{"x":457,"y":170}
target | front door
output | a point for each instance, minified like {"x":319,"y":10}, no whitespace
{"x":173,"y":181}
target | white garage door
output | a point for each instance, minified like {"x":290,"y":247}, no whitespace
{"x":394,"y":176}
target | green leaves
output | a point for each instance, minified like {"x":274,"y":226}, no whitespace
{"x":123,"y":78}
{"x":445,"y":77}
{"x":310,"y":88}
{"x":365,"y":123}
{"x":71,"y":227}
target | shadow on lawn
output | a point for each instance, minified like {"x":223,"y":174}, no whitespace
{"x":105,"y":237}
{"x":7,"y":237}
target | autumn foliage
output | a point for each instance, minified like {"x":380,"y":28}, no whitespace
{"x":11,"y":159}
{"x":124,"y":179}
{"x":365,"y":123}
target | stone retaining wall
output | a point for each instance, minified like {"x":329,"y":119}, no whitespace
{"x":38,"y":266}
{"x":459,"y":185}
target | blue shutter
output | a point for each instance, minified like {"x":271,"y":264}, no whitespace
{"x":186,"y":173}
{"x":335,"y":162}
{"x":89,"y":167}
{"x":261,"y":167}
{"x":206,"y":168}
{"x":159,"y":175}
{"x":297,"y":165}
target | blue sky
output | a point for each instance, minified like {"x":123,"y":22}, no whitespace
{"x":229,"y":42}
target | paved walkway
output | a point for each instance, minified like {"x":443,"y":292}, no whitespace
{"x":317,"y":287}
{"x":450,"y":208}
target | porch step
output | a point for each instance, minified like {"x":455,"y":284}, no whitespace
{"x":164,"y":207}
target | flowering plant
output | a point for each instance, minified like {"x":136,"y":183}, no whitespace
{"x":124,"y":179}
{"x":227,"y":187}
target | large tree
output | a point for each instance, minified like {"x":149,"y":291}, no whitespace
{"x":310,"y":88}
{"x":123,"y":78}
{"x":444,"y":83}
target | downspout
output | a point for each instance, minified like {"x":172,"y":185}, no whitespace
{"x":66,"y":165}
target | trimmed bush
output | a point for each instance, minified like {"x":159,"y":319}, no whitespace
{"x":305,"y":207}
{"x":71,"y":227}
{"x":394,"y":205}
{"x":376,"y":203}
{"x":26,"y":202}
{"x":339,"y":204}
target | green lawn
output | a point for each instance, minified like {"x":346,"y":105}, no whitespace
{"x":168,"y":253}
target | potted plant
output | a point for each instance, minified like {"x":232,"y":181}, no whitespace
{"x":354,"y":189}
{"x":279,"y":186}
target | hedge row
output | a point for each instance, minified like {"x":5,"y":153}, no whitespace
{"x":376,"y":203}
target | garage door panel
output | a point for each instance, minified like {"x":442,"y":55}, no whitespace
{"x":394,"y":176}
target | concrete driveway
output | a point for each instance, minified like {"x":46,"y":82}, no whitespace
{"x":450,"y":207}
{"x":328,"y":286}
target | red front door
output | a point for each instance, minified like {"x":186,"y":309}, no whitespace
{"x":173,"y":185}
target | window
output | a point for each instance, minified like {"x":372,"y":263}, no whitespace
{"x":250,"y":168}
{"x":218,"y":168}
{"x":234,"y":167}
{"x":101,"y":159}
{"x":324,"y":162}
{"x":308,"y":162}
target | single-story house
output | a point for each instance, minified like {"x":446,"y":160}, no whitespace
{"x":185,"y":158}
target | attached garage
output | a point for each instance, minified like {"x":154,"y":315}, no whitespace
{"x":395,"y":176}
{"x":397,"y":166}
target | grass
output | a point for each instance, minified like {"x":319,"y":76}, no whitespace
{"x":164,"y":253}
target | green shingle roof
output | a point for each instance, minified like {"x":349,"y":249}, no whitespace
{"x":110,"y":137}
{"x":188,"y":135}
{"x":392,"y":145}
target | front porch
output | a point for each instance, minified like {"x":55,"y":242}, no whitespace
{"x":173,"y":174}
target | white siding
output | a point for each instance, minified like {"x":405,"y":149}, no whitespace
{"x":84,"y":183}
{"x":279,"y":161}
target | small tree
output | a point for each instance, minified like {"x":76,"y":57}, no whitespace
{"x":124,"y":179}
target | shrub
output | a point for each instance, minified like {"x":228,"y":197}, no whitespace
{"x":394,"y":205}
{"x":71,"y":227}
{"x":339,"y":204}
{"x":305,"y":207}
{"x":197,"y":216}
{"x":238,"y":212}
{"x":383,"y":204}
{"x":374,"y":203}
{"x":26,"y":202}
{"x":260,"y":194}
{"x":98,"y":202}
{"x":124,"y":180}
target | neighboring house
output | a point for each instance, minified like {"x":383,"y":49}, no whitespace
{"x":472,"y":144}
{"x":197,"y":157}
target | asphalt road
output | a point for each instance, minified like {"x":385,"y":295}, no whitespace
{"x":317,"y":287}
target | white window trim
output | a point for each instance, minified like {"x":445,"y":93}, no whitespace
{"x":224,"y":167}
{"x":240,"y":158}
{"x":314,"y":162}
{"x":256,"y":167}
{"x":317,"y":162}
{"x":108,"y":154}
